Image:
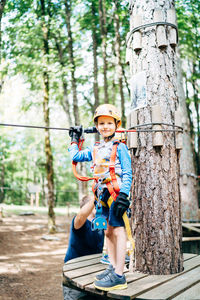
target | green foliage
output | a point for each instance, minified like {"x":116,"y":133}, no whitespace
{"x":189,"y":24}
{"x":22,"y":152}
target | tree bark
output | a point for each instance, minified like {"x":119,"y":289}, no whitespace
{"x":195,"y":88}
{"x":2,"y":5}
{"x":72,"y":62}
{"x":188,"y":178}
{"x":95,"y":62}
{"x":82,"y":186}
{"x":65,"y":101}
{"x":118,"y":59}
{"x":94,"y":50}
{"x":102,"y":16}
{"x":2,"y":180}
{"x":48,"y":151}
{"x":156,"y":192}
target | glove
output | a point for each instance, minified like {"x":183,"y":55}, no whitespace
{"x":121,"y":205}
{"x":75,"y":133}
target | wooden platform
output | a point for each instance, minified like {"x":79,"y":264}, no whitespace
{"x":79,"y":273}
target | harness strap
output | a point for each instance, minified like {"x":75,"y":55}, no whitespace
{"x":114,"y":187}
{"x":74,"y":164}
{"x":80,"y":177}
{"x":112,"y":167}
{"x":112,"y":191}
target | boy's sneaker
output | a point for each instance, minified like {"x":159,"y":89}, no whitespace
{"x":105,"y":259}
{"x":111,"y":282}
{"x":104,"y":273}
{"x":127,"y":259}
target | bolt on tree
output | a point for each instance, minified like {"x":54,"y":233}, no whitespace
{"x":151,"y":54}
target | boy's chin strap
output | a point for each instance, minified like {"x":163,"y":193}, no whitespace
{"x":107,"y":139}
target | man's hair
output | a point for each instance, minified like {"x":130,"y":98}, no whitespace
{"x":85,"y":200}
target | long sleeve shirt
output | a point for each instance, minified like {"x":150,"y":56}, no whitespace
{"x":101,"y":165}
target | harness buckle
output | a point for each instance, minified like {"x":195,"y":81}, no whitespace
{"x":99,"y":222}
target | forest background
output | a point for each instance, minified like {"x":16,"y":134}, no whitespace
{"x":59,"y":61}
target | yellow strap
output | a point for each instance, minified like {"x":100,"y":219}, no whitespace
{"x":127,"y":225}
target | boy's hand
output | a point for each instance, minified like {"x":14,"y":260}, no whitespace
{"x":75,"y":133}
{"x":121,"y":205}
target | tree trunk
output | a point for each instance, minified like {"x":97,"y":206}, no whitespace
{"x":94,"y":49}
{"x":102,"y":16}
{"x":48,"y":151}
{"x":95,"y":63}
{"x":195,"y":87}
{"x":82,"y":186}
{"x":2,"y":181}
{"x":188,"y":179}
{"x":156,"y":192}
{"x":65,"y":101}
{"x":72,"y":62}
{"x":118,"y":59}
{"x":2,"y":5}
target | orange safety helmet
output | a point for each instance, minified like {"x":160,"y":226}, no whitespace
{"x":107,"y":110}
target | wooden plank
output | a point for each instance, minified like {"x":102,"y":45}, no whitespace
{"x":190,"y":239}
{"x":136,"y":288}
{"x":190,"y":227}
{"x":84,"y":276}
{"x":130,"y":277}
{"x":187,"y":256}
{"x":81,"y":264}
{"x":84,"y":271}
{"x":191,"y":263}
{"x":191,"y":293}
{"x":193,"y":224}
{"x":84,"y":280}
{"x":173,"y":287}
{"x":81,"y":258}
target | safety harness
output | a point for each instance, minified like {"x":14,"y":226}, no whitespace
{"x":112,"y":185}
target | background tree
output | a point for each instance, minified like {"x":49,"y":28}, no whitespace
{"x":119,"y":68}
{"x":23,"y":69}
{"x":2,"y":5}
{"x":72,"y":62}
{"x":188,"y":178}
{"x":188,"y":24}
{"x":103,"y":27}
{"x":45,"y":27}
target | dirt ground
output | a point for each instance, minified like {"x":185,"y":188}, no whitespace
{"x":30,"y":266}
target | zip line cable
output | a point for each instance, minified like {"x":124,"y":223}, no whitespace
{"x":32,"y":126}
{"x":93,"y":129}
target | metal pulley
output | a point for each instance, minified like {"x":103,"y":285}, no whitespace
{"x":99,"y":222}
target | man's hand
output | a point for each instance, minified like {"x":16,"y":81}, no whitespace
{"x":121,"y":205}
{"x":75,"y":133}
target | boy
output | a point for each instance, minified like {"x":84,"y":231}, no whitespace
{"x":107,"y":119}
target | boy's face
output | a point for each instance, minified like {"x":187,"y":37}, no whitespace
{"x":106,"y":126}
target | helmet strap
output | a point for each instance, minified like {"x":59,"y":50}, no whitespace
{"x":108,"y":138}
